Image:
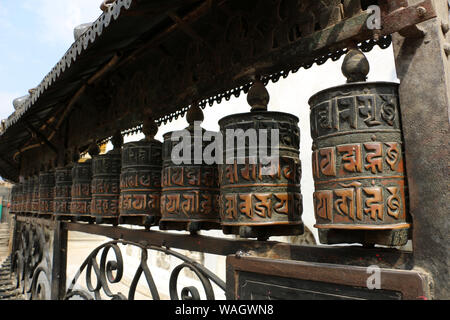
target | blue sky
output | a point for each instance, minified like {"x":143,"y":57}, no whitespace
{"x":34,"y":35}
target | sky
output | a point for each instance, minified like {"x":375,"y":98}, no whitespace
{"x":35,"y":34}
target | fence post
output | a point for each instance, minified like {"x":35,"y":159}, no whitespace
{"x":59,"y":264}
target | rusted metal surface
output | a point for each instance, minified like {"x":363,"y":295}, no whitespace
{"x":190,"y":190}
{"x":260,"y":199}
{"x":358,"y":163}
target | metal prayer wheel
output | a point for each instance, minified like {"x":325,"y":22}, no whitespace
{"x":105,"y":185}
{"x":63,"y":190}
{"x":260,"y":198}
{"x":357,"y":160}
{"x":14,"y":199}
{"x":140,"y":180}
{"x":29,"y":189}
{"x":20,"y":197}
{"x":190,"y":189}
{"x":80,"y":204}
{"x":35,"y":196}
{"x":46,"y":192}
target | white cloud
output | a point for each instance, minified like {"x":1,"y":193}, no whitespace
{"x":59,"y":18}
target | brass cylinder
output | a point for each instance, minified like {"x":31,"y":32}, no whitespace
{"x":140,"y":182}
{"x":46,"y":192}
{"x":358,"y":163}
{"x":80,"y":204}
{"x":105,"y":186}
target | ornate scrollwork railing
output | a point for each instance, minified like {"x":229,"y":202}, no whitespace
{"x":32,"y":262}
{"x":111,"y":271}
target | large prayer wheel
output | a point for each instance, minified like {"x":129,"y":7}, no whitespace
{"x":63,"y":190}
{"x":260,"y":196}
{"x":80,"y":205}
{"x":29,"y":189}
{"x":46,"y":192}
{"x":105,"y":186}
{"x":20,"y":189}
{"x":358,"y":162}
{"x":14,"y":199}
{"x":140,"y":180}
{"x":190,"y":187}
{"x":35,"y":195}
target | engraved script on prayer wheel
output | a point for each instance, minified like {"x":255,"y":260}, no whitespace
{"x":81,"y":189}
{"x":105,"y":186}
{"x":357,"y":160}
{"x":14,"y":199}
{"x":46,"y":192}
{"x":29,"y":189}
{"x":189,"y":190}
{"x":35,"y":197}
{"x":140,"y":180}
{"x":63,"y":189}
{"x":20,"y":196}
{"x":260,"y":198}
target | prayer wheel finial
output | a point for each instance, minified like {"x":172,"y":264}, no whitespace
{"x":94,"y":150}
{"x":258,"y":96}
{"x":117,"y":140}
{"x":195,"y":114}
{"x":75,"y":156}
{"x":356,"y":66}
{"x":150,"y":129}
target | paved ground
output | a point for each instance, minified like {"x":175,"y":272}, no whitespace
{"x":4,"y":241}
{"x":8,"y":289}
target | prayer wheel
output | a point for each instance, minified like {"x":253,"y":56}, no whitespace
{"x":140,"y":180}
{"x":20,"y":196}
{"x":105,"y":185}
{"x":63,"y":190}
{"x":29,"y":188}
{"x":261,"y":172}
{"x":358,"y":164}
{"x":46,"y":192}
{"x":35,"y":196}
{"x":190,"y":187}
{"x":14,"y":199}
{"x":80,"y":205}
